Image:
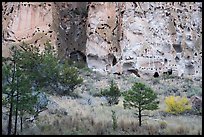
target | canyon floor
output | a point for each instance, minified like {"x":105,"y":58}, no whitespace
{"x":90,"y":114}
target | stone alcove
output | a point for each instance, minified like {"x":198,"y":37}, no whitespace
{"x":78,"y":56}
{"x":177,"y":47}
{"x":156,"y":75}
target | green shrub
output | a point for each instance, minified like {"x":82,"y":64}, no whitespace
{"x":86,"y":69}
{"x":163,"y":125}
{"x":194,"y":90}
{"x":155,"y":81}
{"x":61,"y":77}
{"x":114,"y":120}
{"x":112,"y":94}
{"x":79,"y":64}
{"x":177,"y":104}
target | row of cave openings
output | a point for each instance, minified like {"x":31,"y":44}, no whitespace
{"x":79,"y":56}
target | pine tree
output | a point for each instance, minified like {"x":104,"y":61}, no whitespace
{"x":8,"y":87}
{"x":112,"y":94}
{"x":140,"y":97}
{"x":61,"y":77}
{"x":27,"y":72}
{"x":16,"y":86}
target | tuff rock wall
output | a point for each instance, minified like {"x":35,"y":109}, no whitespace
{"x":30,"y":22}
{"x":63,"y":24}
{"x":145,"y":37}
{"x":112,"y":37}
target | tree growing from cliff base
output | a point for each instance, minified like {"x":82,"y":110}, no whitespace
{"x":16,"y":86}
{"x":140,"y":97}
{"x":61,"y":77}
{"x":25,"y":73}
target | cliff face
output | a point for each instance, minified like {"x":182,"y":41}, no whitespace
{"x":145,"y":37}
{"x":63,"y":24}
{"x":28,"y":21}
{"x":113,"y":37}
{"x":70,"y":21}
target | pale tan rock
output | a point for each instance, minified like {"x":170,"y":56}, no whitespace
{"x":28,"y":22}
{"x":114,"y":36}
{"x":149,"y":34}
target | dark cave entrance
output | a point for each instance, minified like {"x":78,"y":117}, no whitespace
{"x":168,"y":72}
{"x":177,"y":47}
{"x":114,"y":60}
{"x":156,"y":75}
{"x":78,"y":56}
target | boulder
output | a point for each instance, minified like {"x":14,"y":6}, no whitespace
{"x":42,"y":102}
{"x":196,"y":103}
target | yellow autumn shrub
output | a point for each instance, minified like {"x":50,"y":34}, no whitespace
{"x":177,"y":104}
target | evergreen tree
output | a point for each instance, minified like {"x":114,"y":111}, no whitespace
{"x":112,"y":94}
{"x":140,"y":97}
{"x":61,"y":77}
{"x":16,"y":87}
{"x":8,"y":88}
{"x":27,"y":72}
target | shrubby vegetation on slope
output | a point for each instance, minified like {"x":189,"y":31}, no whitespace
{"x":26,"y":73}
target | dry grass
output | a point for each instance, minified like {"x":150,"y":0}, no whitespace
{"x":97,"y":119}
{"x":79,"y":124}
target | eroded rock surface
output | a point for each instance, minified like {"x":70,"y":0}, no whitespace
{"x":112,"y":37}
{"x":148,"y":37}
{"x":29,"y":22}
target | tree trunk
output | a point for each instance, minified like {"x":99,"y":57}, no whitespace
{"x":21,"y":123}
{"x":16,"y":115}
{"x":16,"y":120}
{"x":140,"y":116}
{"x":12,"y":95}
{"x":10,"y":116}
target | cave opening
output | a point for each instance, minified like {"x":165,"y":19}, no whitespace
{"x":78,"y":56}
{"x":134,"y":71}
{"x":177,"y":58}
{"x":190,"y":69}
{"x":195,"y":54}
{"x":177,"y":47}
{"x":165,"y":60}
{"x":114,"y":60}
{"x":169,"y":71}
{"x":156,"y":75}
